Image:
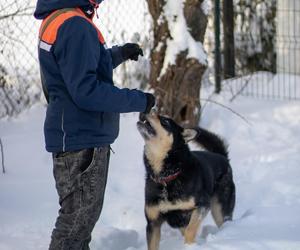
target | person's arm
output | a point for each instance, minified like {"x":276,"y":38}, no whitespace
{"x":77,"y":53}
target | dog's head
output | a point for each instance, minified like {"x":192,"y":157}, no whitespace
{"x":162,"y":135}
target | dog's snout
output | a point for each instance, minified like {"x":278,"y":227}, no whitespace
{"x":142,"y":117}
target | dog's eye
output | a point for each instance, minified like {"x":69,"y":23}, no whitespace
{"x":165,"y":122}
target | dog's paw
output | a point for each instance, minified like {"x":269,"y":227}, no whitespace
{"x":209,"y":231}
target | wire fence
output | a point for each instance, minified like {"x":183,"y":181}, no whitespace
{"x":18,"y":70}
{"x":120,"y":21}
{"x":266,"y":49}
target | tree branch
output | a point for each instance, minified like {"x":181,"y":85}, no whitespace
{"x":188,"y":101}
{"x":18,"y":12}
{"x":2,"y":156}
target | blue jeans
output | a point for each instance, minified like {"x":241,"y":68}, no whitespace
{"x":80,"y":182}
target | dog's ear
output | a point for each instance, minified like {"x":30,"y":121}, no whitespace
{"x":189,"y":134}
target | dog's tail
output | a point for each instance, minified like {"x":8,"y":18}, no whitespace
{"x":211,"y":142}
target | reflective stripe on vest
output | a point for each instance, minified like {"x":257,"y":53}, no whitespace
{"x":50,"y":26}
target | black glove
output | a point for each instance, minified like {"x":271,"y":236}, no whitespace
{"x":131,"y":51}
{"x":150,"y":102}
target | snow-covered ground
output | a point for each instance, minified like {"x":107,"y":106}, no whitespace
{"x":266,"y":164}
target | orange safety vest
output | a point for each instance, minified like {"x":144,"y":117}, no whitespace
{"x":51,"y":24}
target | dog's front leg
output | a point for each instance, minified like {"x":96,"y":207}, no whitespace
{"x":153,"y":234}
{"x":191,"y":230}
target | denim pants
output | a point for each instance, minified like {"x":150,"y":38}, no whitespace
{"x":80,"y":178}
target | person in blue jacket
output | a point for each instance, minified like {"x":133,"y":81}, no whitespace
{"x":82,"y":117}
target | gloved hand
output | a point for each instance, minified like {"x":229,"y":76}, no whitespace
{"x":131,"y":51}
{"x":150,"y":102}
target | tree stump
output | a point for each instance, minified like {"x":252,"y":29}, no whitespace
{"x":177,"y":84}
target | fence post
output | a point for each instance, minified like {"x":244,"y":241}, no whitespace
{"x":228,"y":27}
{"x":217,"y":48}
{"x":2,"y":156}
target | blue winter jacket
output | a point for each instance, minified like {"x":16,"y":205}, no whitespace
{"x":84,"y":106}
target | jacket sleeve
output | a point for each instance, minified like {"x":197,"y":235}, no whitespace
{"x":116,"y":56}
{"x":77,"y":53}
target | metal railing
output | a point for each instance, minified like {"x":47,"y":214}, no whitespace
{"x":266,"y":49}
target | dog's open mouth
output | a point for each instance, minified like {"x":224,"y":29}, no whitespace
{"x":145,"y":128}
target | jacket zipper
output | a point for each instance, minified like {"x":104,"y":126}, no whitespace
{"x":63,"y":130}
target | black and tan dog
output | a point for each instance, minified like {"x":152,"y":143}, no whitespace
{"x":183,"y":185}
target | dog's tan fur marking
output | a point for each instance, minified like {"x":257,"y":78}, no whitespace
{"x":152,"y":212}
{"x":191,"y":230}
{"x":165,"y":206}
{"x":157,"y":147}
{"x":189,"y":134}
{"x":216,"y":211}
{"x":153,"y":242}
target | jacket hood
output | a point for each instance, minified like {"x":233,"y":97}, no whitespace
{"x":45,"y":7}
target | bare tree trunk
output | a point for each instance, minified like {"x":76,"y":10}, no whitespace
{"x":2,"y":156}
{"x":178,"y":87}
{"x":228,"y":27}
